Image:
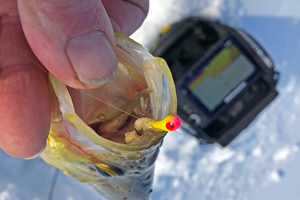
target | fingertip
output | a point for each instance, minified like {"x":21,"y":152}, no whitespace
{"x":24,"y":111}
{"x":36,"y":154}
{"x":24,"y":103}
{"x":127,"y":16}
{"x":20,"y":144}
{"x":24,"y":149}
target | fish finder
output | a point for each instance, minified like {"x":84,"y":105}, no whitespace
{"x":223,"y":77}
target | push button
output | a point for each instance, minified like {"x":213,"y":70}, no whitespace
{"x":187,"y":109}
{"x":195,"y":118}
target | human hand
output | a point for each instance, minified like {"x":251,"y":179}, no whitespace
{"x":73,"y":39}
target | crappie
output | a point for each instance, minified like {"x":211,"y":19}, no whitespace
{"x":102,"y":136}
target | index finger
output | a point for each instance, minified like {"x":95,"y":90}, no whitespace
{"x":24,"y":101}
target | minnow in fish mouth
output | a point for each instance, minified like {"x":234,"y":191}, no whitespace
{"x":110,"y":137}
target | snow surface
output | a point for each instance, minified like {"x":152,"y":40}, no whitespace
{"x":262,"y":163}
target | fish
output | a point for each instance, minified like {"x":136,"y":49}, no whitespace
{"x":109,"y":138}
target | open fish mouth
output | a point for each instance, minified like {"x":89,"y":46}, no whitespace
{"x":142,"y":88}
{"x":99,"y":135}
{"x":115,"y":116}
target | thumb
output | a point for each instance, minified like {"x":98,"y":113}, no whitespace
{"x":74,"y":39}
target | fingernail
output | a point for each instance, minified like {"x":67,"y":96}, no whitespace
{"x":36,"y":155}
{"x":92,"y":57}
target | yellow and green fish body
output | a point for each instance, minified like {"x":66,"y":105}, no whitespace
{"x":104,"y":137}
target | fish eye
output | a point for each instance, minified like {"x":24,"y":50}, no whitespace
{"x":170,"y":126}
{"x":108,"y":170}
{"x":102,"y":172}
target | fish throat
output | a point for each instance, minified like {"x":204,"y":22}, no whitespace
{"x":121,"y":128}
{"x":115,"y":106}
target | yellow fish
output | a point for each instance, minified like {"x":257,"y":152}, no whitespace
{"x":110,"y":137}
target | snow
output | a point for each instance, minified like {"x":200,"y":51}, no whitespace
{"x":5,"y":194}
{"x":275,"y":176}
{"x":257,"y":152}
{"x":170,"y":11}
{"x":278,"y":8}
{"x":281,"y":154}
{"x":262,"y":163}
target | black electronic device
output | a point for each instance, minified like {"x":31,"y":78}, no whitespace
{"x":223,"y":77}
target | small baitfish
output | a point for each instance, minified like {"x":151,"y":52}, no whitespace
{"x":110,"y":137}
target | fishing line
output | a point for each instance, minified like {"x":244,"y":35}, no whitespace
{"x":43,"y":69}
{"x":53,"y":183}
{"x":107,"y":103}
{"x":47,"y":72}
{"x":56,"y":172}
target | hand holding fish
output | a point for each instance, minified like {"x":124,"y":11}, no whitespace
{"x":73,"y":39}
{"x":109,"y":136}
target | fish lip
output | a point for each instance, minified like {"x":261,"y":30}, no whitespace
{"x":149,"y":137}
{"x":159,"y":80}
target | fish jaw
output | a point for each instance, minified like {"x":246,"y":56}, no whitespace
{"x":117,"y":170}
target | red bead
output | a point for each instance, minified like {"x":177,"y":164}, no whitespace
{"x":170,"y":126}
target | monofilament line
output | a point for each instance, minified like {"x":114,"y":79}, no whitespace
{"x":44,"y":70}
{"x":107,"y":103}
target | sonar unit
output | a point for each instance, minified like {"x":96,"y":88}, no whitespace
{"x":223,"y":77}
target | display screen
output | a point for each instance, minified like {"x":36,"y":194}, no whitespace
{"x":226,"y":73}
